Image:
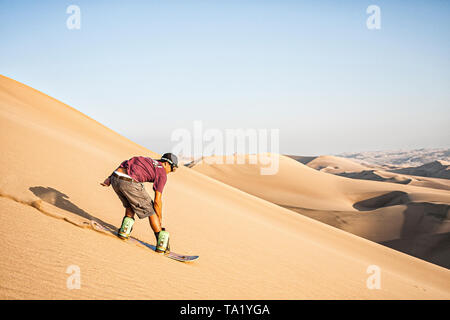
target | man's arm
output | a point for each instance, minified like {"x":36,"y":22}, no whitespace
{"x":157,"y":205}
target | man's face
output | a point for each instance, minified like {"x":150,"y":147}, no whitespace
{"x":168,"y":167}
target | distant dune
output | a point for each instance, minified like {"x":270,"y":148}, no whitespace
{"x":413,"y":176}
{"x":302,"y":159}
{"x":331,"y":164}
{"x":376,"y":210}
{"x":437,"y":169}
{"x":400,"y":158}
{"x":53,"y":158}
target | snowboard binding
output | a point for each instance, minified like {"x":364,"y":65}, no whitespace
{"x":126,"y":228}
{"x":162,"y":238}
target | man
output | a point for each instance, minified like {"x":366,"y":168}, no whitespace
{"x":127,"y":181}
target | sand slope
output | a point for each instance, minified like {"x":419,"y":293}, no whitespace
{"x":436,"y":169}
{"x":432,"y":175}
{"x":379,"y":211}
{"x":332,"y":164}
{"x":53,"y":159}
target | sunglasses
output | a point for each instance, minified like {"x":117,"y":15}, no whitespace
{"x":171,"y":163}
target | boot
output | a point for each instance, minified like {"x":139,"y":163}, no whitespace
{"x":126,"y":228}
{"x":162,"y":244}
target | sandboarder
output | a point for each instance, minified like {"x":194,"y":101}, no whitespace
{"x":127,"y":181}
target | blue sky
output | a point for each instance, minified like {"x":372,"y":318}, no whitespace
{"x":309,"y":68}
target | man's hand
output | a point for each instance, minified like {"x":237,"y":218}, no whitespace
{"x":106,"y":183}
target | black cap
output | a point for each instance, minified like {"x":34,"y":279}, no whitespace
{"x":170,"y":158}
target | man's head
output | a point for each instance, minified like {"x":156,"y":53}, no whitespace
{"x":169,"y":162}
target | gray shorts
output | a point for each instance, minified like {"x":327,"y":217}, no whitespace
{"x":133,"y":194}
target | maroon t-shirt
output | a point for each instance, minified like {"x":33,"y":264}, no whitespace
{"x":144,"y":169}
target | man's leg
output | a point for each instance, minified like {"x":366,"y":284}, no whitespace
{"x":154,"y":223}
{"x":156,"y":226}
{"x":127,"y":225}
{"x":140,"y":203}
{"x":129,"y":212}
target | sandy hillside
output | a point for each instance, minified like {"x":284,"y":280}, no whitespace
{"x":432,"y":175}
{"x":436,"y":169}
{"x":332,"y":164}
{"x":412,"y":219}
{"x":53,"y":159}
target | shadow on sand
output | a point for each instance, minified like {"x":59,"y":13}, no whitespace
{"x":422,"y":235}
{"x":61,"y":200}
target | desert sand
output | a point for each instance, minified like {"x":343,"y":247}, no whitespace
{"x":53,"y":158}
{"x":437,"y":169}
{"x":431,"y":175}
{"x":412,"y":219}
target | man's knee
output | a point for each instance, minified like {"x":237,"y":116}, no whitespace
{"x":129,"y":212}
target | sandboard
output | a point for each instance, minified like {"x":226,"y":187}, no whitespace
{"x":172,"y":255}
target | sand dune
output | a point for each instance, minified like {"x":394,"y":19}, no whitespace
{"x":53,"y":158}
{"x":378,"y":211}
{"x":431,"y":175}
{"x":437,"y":169}
{"x":332,"y":164}
{"x":302,"y":159}
{"x":380,"y":175}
